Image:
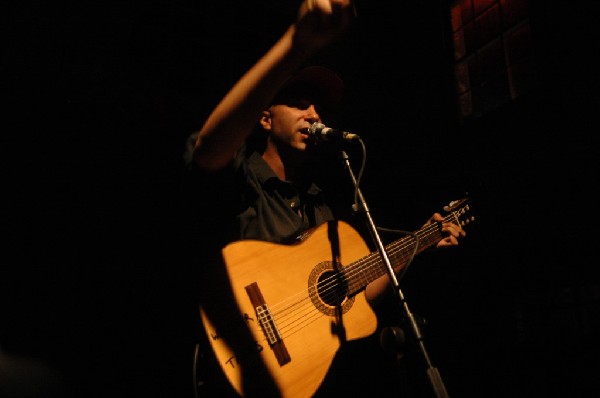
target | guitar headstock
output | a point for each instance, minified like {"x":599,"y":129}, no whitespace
{"x":459,"y":209}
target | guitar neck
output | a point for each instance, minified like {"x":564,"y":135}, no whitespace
{"x":365,"y":270}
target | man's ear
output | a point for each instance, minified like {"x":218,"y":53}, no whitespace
{"x":265,"y":120}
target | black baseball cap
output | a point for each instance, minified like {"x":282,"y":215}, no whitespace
{"x":318,"y":80}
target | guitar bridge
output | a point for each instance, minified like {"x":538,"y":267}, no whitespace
{"x":267,"y":324}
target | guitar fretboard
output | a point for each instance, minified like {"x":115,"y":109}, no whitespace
{"x":365,"y":270}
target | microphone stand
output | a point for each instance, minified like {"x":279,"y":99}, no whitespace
{"x":432,"y":373}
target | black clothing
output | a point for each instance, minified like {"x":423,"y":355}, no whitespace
{"x":246,"y":200}
{"x":263,"y":206}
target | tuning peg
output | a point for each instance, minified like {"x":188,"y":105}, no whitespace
{"x":454,"y":204}
{"x":467,"y":221}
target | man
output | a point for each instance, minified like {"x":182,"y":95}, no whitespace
{"x":272,"y":182}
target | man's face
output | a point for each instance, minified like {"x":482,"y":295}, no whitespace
{"x":290,"y":117}
{"x":289,"y":120}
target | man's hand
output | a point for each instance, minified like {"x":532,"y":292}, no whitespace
{"x":452,"y":232}
{"x":320,"y":22}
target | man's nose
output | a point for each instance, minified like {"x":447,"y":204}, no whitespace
{"x":312,"y":115}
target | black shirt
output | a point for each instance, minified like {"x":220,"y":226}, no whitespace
{"x":246,"y":200}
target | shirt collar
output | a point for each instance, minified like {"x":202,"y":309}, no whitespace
{"x":267,"y":176}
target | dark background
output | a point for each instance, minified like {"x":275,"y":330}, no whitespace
{"x":99,"y":98}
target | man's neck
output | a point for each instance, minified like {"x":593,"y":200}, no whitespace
{"x":285,"y":164}
{"x":274,"y":161}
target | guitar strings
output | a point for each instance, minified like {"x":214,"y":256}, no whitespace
{"x":332,"y":293}
{"x":358,"y":266}
{"x":290,"y":315}
{"x":395,"y":248}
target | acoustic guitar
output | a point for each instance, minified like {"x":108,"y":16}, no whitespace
{"x":301,"y":302}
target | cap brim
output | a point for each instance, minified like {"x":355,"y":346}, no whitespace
{"x":323,"y":80}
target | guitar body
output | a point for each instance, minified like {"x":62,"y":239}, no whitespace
{"x":302,"y":328}
{"x":276,"y":315}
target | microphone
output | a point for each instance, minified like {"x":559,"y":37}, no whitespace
{"x":324,"y":133}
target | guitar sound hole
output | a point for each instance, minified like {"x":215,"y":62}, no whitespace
{"x":332,"y":289}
